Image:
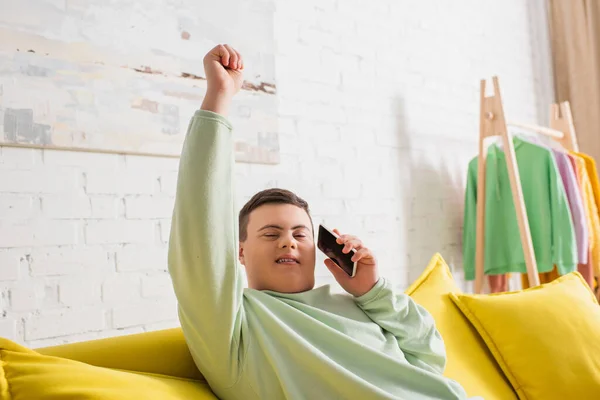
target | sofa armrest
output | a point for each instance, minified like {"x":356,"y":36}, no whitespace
{"x":160,"y":352}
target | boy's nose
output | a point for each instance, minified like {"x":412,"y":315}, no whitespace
{"x":288,"y":243}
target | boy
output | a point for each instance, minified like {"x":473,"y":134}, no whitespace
{"x":281,"y":338}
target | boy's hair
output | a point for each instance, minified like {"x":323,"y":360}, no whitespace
{"x":268,"y":196}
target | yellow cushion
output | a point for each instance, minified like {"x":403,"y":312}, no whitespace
{"x":545,"y":338}
{"x":26,"y":374}
{"x":141,"y":352}
{"x":469,"y":361}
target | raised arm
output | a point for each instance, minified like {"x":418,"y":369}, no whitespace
{"x":203,"y":241}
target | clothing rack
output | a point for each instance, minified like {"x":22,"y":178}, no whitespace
{"x":492,"y":123}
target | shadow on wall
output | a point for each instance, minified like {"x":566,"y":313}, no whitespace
{"x":432,"y":187}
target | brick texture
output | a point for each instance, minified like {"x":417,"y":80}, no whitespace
{"x":378,"y":119}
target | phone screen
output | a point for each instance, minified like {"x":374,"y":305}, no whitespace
{"x":332,"y":249}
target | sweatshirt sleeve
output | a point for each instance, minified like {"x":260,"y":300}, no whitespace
{"x":564,"y":246}
{"x":470,"y":222}
{"x":203,"y":249}
{"x":413,"y":327}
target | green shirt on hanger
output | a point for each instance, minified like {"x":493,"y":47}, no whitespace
{"x":548,"y":212}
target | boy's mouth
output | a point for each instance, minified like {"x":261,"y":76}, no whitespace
{"x":287,"y":260}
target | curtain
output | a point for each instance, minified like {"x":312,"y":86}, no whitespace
{"x":575,"y":43}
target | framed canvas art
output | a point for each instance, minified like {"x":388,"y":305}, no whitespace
{"x":125,"y":77}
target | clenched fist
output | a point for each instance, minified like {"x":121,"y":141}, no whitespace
{"x":223,"y":66}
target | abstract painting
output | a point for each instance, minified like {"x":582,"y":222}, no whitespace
{"x":126,"y":76}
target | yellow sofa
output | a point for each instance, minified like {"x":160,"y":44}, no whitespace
{"x":157,"y":365}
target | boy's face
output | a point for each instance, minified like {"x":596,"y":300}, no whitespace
{"x":279,"y":250}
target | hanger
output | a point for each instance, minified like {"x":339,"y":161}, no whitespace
{"x":561,"y":119}
{"x":554,"y":133}
{"x":549,"y":132}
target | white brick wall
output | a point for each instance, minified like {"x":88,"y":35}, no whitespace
{"x":66,"y":322}
{"x":141,"y":258}
{"x":9,"y":266}
{"x":378,"y":120}
{"x":143,"y":313}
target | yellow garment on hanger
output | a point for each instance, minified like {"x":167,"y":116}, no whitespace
{"x":545,"y":277}
{"x":590,"y":166}
{"x":590,"y":205}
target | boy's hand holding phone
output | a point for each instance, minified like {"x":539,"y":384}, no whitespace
{"x":366,"y":275}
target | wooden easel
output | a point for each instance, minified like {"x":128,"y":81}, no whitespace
{"x":492,"y":122}
{"x":561,"y":119}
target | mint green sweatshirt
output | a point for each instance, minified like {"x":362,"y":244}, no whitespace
{"x":252,"y":344}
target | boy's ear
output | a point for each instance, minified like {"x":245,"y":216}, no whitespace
{"x":241,"y":254}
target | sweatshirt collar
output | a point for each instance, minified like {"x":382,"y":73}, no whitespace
{"x":310,"y":297}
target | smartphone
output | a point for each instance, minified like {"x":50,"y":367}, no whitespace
{"x":327,"y":243}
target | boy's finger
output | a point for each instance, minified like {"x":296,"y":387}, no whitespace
{"x":360,"y":254}
{"x":345,"y":238}
{"x":240,"y":62}
{"x":223,"y":53}
{"x":352,"y":244}
{"x":233,"y":57}
{"x":336,"y":271}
